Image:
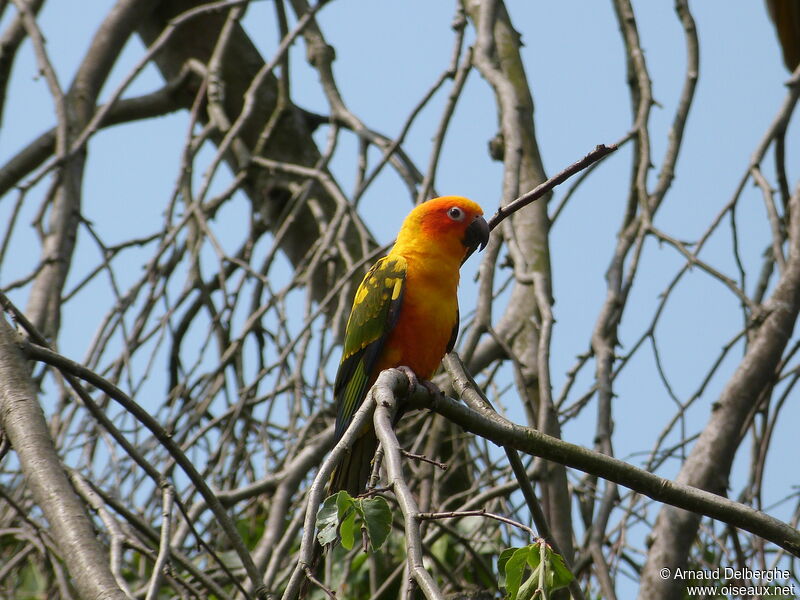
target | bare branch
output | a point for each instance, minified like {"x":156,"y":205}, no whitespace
{"x":23,"y":422}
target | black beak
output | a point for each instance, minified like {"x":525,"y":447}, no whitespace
{"x":476,"y":236}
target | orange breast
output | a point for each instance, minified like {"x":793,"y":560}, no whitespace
{"x":425,"y":325}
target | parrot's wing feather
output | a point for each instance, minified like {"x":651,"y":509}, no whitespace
{"x":375,"y":311}
{"x":454,"y":335}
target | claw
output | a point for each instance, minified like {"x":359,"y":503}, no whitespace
{"x":432,"y":388}
{"x":412,"y":377}
{"x":413,"y":380}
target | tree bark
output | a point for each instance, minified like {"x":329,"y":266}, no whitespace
{"x":74,"y":111}
{"x":272,"y":192}
{"x":525,"y":324}
{"x":709,"y":463}
{"x":22,"y":420}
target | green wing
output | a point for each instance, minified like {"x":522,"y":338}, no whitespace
{"x":375,"y":311}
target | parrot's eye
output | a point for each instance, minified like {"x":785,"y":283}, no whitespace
{"x":455,"y":213}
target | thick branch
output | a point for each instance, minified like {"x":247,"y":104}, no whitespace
{"x":165,"y":439}
{"x":497,"y":57}
{"x":22,"y":420}
{"x":288,"y":141}
{"x":386,"y":407}
{"x":161,"y":102}
{"x":708,"y":465}
{"x":498,"y":430}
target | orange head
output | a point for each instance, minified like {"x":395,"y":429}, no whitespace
{"x":450,"y":226}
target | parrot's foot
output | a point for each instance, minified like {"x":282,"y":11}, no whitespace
{"x":413,"y":380}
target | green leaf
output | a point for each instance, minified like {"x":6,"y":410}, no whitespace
{"x":377,"y":519}
{"x":527,"y":589}
{"x":330,"y":514}
{"x":348,"y":530}
{"x":545,"y":566}
{"x":534,"y":556}
{"x":560,"y":575}
{"x":344,"y":502}
{"x":514,"y":568}
{"x":343,"y":515}
{"x":501,"y":565}
{"x":327,"y":520}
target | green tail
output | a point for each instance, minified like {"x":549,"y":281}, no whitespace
{"x":353,"y":472}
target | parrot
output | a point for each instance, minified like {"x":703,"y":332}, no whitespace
{"x":404,"y":315}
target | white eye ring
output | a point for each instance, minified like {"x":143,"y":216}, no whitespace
{"x":455,"y":213}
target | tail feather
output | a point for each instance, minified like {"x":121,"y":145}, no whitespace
{"x":351,"y":475}
{"x":354,"y":470}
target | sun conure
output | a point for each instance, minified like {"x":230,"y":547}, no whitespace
{"x":405,"y":313}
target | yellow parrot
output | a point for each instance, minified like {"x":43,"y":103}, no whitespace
{"x":405,"y":314}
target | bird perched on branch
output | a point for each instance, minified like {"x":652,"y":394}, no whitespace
{"x":405,"y":314}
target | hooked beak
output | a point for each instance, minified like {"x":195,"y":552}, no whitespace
{"x":477,"y":235}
